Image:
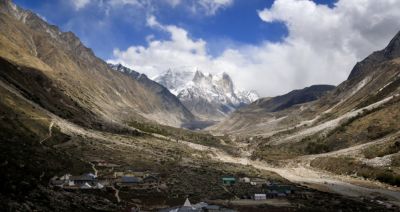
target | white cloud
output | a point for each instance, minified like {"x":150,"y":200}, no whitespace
{"x":212,"y":6}
{"x":205,"y":7}
{"x":322,"y":46}
{"x":159,"y":55}
{"x":79,"y":4}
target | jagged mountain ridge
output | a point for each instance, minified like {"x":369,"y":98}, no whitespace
{"x":169,"y":99}
{"x":211,"y":97}
{"x":292,"y":98}
{"x":27,"y":40}
{"x":372,"y":80}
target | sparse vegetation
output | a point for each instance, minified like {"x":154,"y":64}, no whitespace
{"x":185,"y":135}
{"x":382,"y":149}
{"x":350,"y":166}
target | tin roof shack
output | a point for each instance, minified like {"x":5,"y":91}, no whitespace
{"x":244,"y":180}
{"x":85,"y":178}
{"x":278,"y":190}
{"x":228,"y":181}
{"x":107,"y":180}
{"x":127,"y":181}
{"x":260,"y":197}
{"x":258,"y":182}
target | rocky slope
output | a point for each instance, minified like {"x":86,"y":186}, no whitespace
{"x":371,"y":80}
{"x":74,"y":71}
{"x":351,"y":130}
{"x":61,"y":108}
{"x":295,"y":97}
{"x":169,"y":100}
{"x":210,"y":97}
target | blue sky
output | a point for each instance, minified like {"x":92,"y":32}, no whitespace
{"x":271,"y":46}
{"x":125,"y":25}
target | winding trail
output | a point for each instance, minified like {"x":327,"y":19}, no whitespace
{"x":50,"y":133}
{"x":116,"y":194}
{"x":94,"y":168}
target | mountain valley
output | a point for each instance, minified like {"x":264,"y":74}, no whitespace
{"x":150,"y":144}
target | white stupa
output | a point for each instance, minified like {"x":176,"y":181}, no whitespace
{"x":187,"y":203}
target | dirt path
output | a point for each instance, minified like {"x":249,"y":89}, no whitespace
{"x":50,"y":133}
{"x":94,"y":168}
{"x":321,"y":180}
{"x":302,"y":173}
{"x":116,"y":194}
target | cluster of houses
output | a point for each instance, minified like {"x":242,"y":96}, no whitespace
{"x":92,"y":181}
{"x":270,"y":189}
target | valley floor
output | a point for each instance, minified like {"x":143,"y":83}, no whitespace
{"x":191,"y":168}
{"x":297,"y":170}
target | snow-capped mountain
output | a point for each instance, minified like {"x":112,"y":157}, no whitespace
{"x":205,"y":95}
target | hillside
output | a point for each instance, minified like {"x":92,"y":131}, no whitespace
{"x":78,"y":134}
{"x":292,"y":98}
{"x":351,"y":130}
{"x":25,"y":39}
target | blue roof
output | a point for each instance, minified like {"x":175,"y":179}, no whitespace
{"x":127,"y":179}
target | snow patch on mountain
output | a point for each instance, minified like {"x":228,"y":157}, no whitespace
{"x":198,"y":89}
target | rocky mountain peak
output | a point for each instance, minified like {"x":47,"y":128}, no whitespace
{"x":198,"y":76}
{"x":366,"y":66}
{"x":119,"y":67}
{"x":393,"y":49}
{"x":204,"y":94}
{"x":226,"y":83}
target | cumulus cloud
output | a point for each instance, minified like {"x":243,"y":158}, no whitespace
{"x":321,"y":47}
{"x":159,"y":55}
{"x":79,"y":4}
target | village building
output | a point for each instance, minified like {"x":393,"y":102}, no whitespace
{"x":244,"y":180}
{"x":81,"y":180}
{"x":129,"y":181}
{"x":228,"y":181}
{"x":274,"y":190}
{"x":107,"y":180}
{"x":280,"y":188}
{"x":260,"y":196}
{"x":151,"y":179}
{"x":257,"y":181}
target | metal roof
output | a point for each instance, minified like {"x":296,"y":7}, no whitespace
{"x":126,"y":179}
{"x":228,"y":178}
